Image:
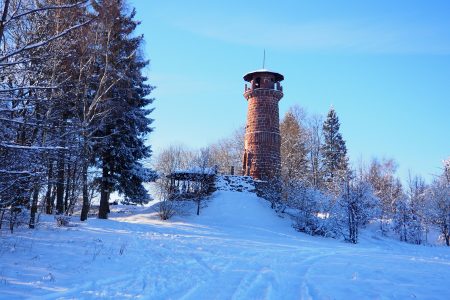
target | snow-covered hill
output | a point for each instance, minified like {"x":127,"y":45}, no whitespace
{"x":238,"y":248}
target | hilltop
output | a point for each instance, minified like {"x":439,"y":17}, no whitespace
{"x":238,"y":248}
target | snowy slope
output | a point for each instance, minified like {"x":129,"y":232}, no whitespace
{"x":236,"y":249}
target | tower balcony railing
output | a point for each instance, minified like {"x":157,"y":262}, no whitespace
{"x":277,"y":87}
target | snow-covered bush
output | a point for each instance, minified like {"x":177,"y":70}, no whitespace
{"x":310,"y":210}
{"x":13,"y":217}
{"x":353,"y":209}
{"x":62,"y":220}
{"x":166,"y":209}
{"x":271,"y":190}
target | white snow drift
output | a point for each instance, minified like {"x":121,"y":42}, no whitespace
{"x":238,"y":248}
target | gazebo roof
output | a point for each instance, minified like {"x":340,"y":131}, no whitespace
{"x":193,"y":174}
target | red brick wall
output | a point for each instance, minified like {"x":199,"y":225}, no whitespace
{"x":262,"y":137}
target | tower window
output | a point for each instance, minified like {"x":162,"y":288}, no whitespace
{"x":258,"y":82}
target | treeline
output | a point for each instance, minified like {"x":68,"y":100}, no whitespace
{"x":74,"y":107}
{"x":323,"y":193}
{"x":326,"y":196}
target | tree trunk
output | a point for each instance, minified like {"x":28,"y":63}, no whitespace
{"x":60,"y":184}
{"x":446,"y":235}
{"x":53,"y":197}
{"x":198,"y":207}
{"x":3,"y":19}
{"x":13,"y":217}
{"x":48,"y":195}
{"x":66,"y":196}
{"x":73,"y":188}
{"x":34,"y":206}
{"x":84,"y":179}
{"x":104,"y":192}
{"x":1,"y":217}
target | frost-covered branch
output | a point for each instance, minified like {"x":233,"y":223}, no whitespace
{"x":17,"y":122}
{"x":45,"y":8}
{"x":13,"y":146}
{"x":43,"y":43}
{"x":31,"y":87}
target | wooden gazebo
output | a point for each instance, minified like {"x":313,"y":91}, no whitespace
{"x":192,"y":183}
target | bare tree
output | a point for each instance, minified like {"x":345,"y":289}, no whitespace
{"x":355,"y":207}
{"x":440,"y":202}
{"x":203,"y":163}
{"x":29,"y":31}
{"x":387,"y":187}
{"x":169,"y":160}
{"x":227,"y":152}
{"x":294,"y":163}
{"x":314,"y":145}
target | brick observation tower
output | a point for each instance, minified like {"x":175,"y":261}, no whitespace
{"x":262,"y":134}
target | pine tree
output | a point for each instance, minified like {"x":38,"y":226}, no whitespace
{"x":121,"y":134}
{"x":334,"y":152}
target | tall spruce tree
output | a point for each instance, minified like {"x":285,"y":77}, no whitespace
{"x":334,"y":152}
{"x":121,"y":135}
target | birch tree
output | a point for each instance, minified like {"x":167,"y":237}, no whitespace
{"x":26,"y":36}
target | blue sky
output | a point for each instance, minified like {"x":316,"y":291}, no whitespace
{"x":383,"y":65}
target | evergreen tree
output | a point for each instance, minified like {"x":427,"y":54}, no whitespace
{"x":121,"y":133}
{"x":334,"y":152}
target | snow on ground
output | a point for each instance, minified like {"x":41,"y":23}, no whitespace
{"x":238,"y":248}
